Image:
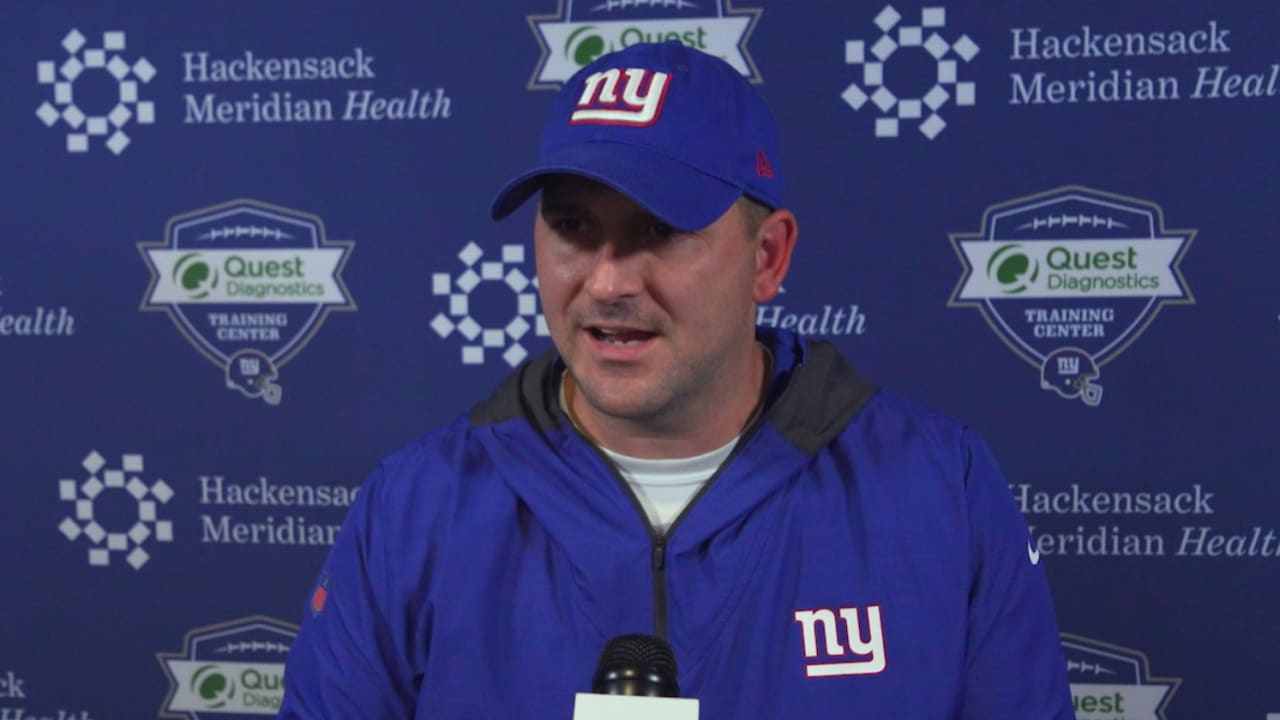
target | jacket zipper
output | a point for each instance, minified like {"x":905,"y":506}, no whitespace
{"x":658,"y":541}
{"x":659,"y":586}
{"x":657,"y":544}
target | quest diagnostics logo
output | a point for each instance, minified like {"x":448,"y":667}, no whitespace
{"x":492,"y":305}
{"x":231,"y":669}
{"x":248,"y":284}
{"x":1012,"y":270}
{"x":1109,"y":682}
{"x":582,"y":30}
{"x":1070,"y":278}
{"x":923,"y":66}
{"x":195,"y":276}
{"x":91,"y":108}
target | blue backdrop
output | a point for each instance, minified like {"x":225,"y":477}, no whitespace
{"x":246,"y":254}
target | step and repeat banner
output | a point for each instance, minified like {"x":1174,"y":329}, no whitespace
{"x":246,"y":254}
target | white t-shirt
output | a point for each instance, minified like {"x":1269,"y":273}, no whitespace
{"x":666,"y":486}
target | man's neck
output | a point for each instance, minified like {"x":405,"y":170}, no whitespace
{"x":683,"y":435}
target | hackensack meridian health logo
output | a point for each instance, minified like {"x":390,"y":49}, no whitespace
{"x":582,"y":30}
{"x":248,"y":284}
{"x":115,"y":526}
{"x":464,"y":293}
{"x":231,"y":669}
{"x":918,"y":102}
{"x":1069,"y":278}
{"x":86,"y":116}
{"x":38,"y":322}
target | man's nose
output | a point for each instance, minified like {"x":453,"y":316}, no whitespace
{"x":615,"y":273}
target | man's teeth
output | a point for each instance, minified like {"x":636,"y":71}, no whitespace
{"x":615,"y":337}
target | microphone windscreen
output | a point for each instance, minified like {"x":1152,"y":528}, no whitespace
{"x":636,"y":665}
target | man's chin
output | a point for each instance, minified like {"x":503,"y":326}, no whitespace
{"x":623,"y":399}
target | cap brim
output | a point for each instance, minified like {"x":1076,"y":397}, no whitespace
{"x":682,"y":196}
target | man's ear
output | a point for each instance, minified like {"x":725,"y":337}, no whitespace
{"x":776,"y":239}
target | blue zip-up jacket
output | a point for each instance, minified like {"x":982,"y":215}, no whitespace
{"x":855,"y":557}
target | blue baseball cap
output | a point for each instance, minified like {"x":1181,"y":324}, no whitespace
{"x":678,"y":131}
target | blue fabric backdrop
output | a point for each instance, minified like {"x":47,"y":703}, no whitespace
{"x":246,"y":253}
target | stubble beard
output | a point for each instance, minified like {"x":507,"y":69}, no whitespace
{"x":669,"y":399}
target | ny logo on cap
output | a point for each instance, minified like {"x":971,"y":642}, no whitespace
{"x":600,"y":104}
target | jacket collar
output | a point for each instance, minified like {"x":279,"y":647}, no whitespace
{"x":813,"y":395}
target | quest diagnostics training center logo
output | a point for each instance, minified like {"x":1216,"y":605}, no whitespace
{"x":1109,"y":682}
{"x":582,"y":30}
{"x":248,"y":284}
{"x":1070,"y":278}
{"x":233,"y":669}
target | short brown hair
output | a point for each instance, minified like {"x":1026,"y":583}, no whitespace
{"x":754,"y":212}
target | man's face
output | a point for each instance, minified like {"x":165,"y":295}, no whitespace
{"x":653,"y":323}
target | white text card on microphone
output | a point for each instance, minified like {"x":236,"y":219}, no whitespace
{"x":589,"y":706}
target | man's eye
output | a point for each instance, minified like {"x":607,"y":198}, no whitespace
{"x":661,"y":231}
{"x":567,"y":225}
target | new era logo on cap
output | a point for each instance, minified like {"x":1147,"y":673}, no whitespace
{"x":764,"y":168}
{"x":640,"y":103}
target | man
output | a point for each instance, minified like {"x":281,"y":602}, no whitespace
{"x":810,"y":547}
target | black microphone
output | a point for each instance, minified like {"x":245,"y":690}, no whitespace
{"x":636,"y":665}
{"x":635,"y":680}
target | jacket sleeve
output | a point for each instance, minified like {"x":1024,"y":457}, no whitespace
{"x":1015,"y":667}
{"x":347,"y":662}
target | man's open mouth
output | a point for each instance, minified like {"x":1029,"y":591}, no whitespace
{"x":614,"y":336}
